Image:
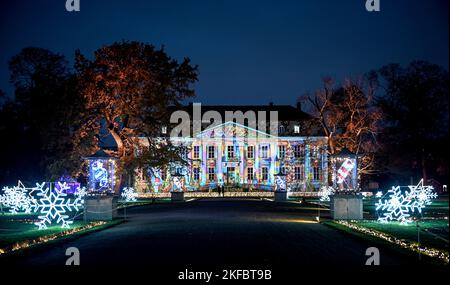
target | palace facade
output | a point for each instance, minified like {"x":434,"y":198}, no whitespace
{"x":237,"y":156}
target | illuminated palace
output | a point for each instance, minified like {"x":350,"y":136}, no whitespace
{"x":235,"y":155}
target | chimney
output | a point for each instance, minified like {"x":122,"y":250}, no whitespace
{"x":271,"y":104}
{"x":299,"y":105}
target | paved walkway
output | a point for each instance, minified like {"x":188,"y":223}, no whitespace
{"x":220,"y":232}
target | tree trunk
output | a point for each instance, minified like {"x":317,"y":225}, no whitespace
{"x":120,"y":153}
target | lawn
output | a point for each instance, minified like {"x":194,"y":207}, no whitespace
{"x":433,"y":233}
{"x":20,"y":229}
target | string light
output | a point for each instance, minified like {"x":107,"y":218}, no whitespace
{"x":41,"y":240}
{"x":432,"y":252}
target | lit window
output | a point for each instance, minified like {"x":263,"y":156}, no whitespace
{"x":164,"y":130}
{"x":265,"y":151}
{"x":196,"y":153}
{"x":297,"y":129}
{"x":281,"y":129}
{"x":316,"y":173}
{"x":211,"y":151}
{"x":298,"y":151}
{"x":265,"y":173}
{"x":250,"y":174}
{"x":281,"y":151}
{"x":298,"y":173}
{"x":211,"y":174}
{"x":250,"y":152}
{"x":196,"y":172}
{"x":230,"y":151}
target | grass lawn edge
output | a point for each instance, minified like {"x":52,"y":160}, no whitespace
{"x":37,"y":247}
{"x":389,"y":246}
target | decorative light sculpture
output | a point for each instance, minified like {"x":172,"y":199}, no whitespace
{"x":280,"y":182}
{"x":19,"y":198}
{"x":53,"y":205}
{"x":325,"y":192}
{"x":72,"y":183}
{"x":129,"y":195}
{"x":345,"y":171}
{"x":398,"y":205}
{"x":379,"y":194}
{"x":102,"y":176}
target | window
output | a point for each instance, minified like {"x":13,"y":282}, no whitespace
{"x":250,"y":174}
{"x":196,"y":172}
{"x":230,"y":151}
{"x":211,"y":174}
{"x":281,"y":151}
{"x":250,"y":152}
{"x":211,"y":151}
{"x":164,"y":129}
{"x":265,"y":151}
{"x":298,"y":173}
{"x":316,"y":173}
{"x":298,"y":151}
{"x":297,"y":129}
{"x":265,"y":173}
{"x":281,"y":129}
{"x":282,"y":170}
{"x":196,"y":153}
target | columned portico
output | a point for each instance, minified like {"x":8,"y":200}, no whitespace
{"x":234,"y":155}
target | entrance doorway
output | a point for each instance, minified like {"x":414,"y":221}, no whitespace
{"x":231,"y":175}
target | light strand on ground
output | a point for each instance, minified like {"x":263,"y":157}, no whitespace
{"x":432,"y":252}
{"x":48,"y":238}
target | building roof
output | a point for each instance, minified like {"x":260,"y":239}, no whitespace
{"x":285,"y":112}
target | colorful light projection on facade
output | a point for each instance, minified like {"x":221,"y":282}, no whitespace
{"x":234,"y":155}
{"x":102,"y":172}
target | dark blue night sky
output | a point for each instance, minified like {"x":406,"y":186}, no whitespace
{"x":248,"y":52}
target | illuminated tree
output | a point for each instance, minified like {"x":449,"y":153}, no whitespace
{"x":349,"y":119}
{"x":128,"y":87}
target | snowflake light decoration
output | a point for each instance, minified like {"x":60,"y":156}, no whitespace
{"x":52,"y":205}
{"x":422,"y":194}
{"x":400,"y":205}
{"x":325,"y":192}
{"x":129,"y":195}
{"x":379,"y":194}
{"x":19,"y":198}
